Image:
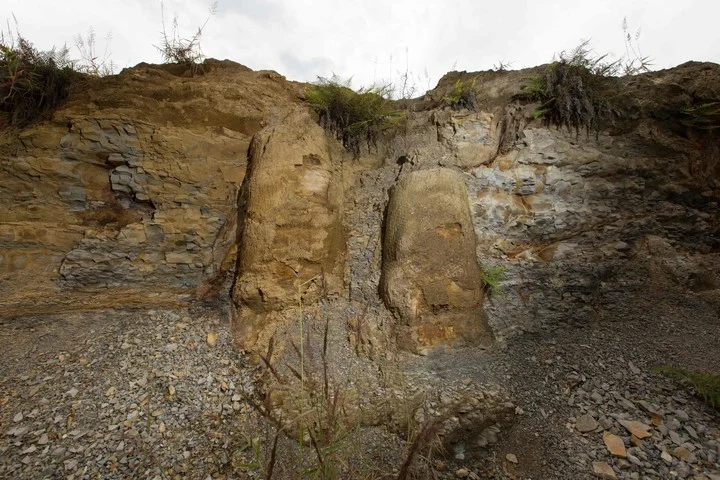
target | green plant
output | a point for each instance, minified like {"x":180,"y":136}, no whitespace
{"x":32,"y":82}
{"x":706,"y":385}
{"x":705,"y":116}
{"x":354,"y":117}
{"x":462,"y":95}
{"x":491,"y":279}
{"x":179,"y":50}
{"x":577,"y":91}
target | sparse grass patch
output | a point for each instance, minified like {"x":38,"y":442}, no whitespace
{"x":462,"y":95}
{"x":491,"y":279}
{"x":705,"y":385}
{"x":354,"y":117}
{"x":705,"y":116}
{"x":183,"y":50}
{"x":91,"y":61}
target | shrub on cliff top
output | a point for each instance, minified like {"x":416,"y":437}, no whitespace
{"x":32,"y":82}
{"x":576,"y":91}
{"x":183,"y":51}
{"x":353,"y":116}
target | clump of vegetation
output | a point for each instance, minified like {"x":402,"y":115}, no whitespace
{"x":183,"y":50}
{"x":491,"y":279}
{"x":91,"y":61}
{"x":462,"y":95}
{"x":705,"y":116}
{"x":354,"y":117}
{"x":577,"y":91}
{"x":705,"y":385}
{"x":634,"y":62}
{"x":502,"y":66}
{"x":32,"y":82}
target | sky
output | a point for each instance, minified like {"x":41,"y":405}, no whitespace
{"x":377,"y":40}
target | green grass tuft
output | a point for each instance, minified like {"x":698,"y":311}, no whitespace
{"x":462,"y":95}
{"x":705,"y":116}
{"x":354,"y":117}
{"x":491,"y":279}
{"x":706,"y":385}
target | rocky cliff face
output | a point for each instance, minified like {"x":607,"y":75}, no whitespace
{"x":148,"y":188}
{"x":128,"y":196}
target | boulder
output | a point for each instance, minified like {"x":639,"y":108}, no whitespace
{"x":292,"y":243}
{"x":431,"y":279}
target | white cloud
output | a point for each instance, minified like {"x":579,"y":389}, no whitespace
{"x":368,"y":39}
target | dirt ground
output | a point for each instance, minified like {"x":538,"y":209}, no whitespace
{"x":144,"y":394}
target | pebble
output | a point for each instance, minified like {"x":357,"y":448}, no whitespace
{"x":91,"y":421}
{"x":586,"y":423}
{"x":603,"y":470}
{"x":462,"y":473}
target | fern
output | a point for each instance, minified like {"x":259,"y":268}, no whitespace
{"x":462,"y":95}
{"x":577,"y":91}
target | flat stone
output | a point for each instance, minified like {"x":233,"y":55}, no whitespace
{"x":684,"y":454}
{"x":682,"y":415}
{"x":510,"y":457}
{"x":614,"y":445}
{"x":603,"y":470}
{"x":640,"y":430}
{"x":586,"y":423}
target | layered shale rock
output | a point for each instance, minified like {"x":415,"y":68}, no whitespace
{"x":128,"y":195}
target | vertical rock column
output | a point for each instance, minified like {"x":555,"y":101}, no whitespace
{"x":431,"y":279}
{"x":292,"y":243}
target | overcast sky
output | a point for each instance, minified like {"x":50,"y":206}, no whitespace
{"x":373,"y":40}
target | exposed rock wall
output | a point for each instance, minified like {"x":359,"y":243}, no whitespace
{"x":131,"y":194}
{"x":128,"y":195}
{"x":150,"y":188}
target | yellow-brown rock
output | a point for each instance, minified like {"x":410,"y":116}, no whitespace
{"x":292,"y":246}
{"x":128,"y":194}
{"x":614,"y":444}
{"x":431,"y":278}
